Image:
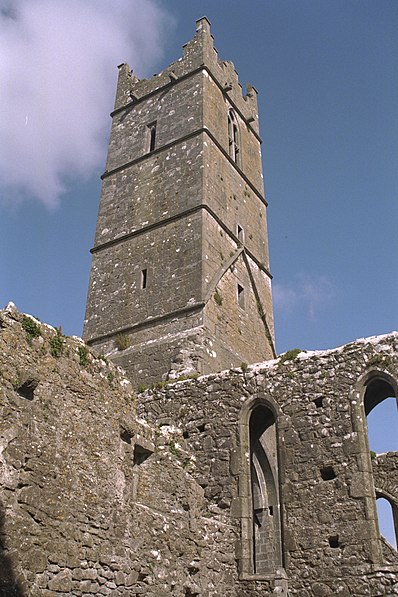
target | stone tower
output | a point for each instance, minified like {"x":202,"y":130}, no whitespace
{"x":180,"y":279}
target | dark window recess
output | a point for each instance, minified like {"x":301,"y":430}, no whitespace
{"x":318,"y":402}
{"x":152,"y":136}
{"x":201,"y":427}
{"x":327,"y":473}
{"x":144,"y":278}
{"x":241,"y":296}
{"x":185,"y":434}
{"x":233,"y":137}
{"x":265,"y":536}
{"x":27,"y":389}
{"x":334,"y":541}
{"x":140,"y":454}
{"x":240,"y":234}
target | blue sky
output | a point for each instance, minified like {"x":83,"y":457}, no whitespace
{"x":328,"y":91}
{"x":325,"y":71}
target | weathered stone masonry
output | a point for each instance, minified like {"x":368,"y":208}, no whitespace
{"x":97,"y":501}
{"x":330,"y":540}
{"x":255,"y":481}
{"x":180,"y":260}
{"x":94,"y":501}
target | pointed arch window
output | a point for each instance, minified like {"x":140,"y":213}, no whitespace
{"x":381,"y":410}
{"x":233,"y":137}
{"x":387,"y":514}
{"x":261,"y":554}
{"x":264,"y":491}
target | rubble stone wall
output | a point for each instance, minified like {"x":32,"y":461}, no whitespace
{"x":108,"y":492}
{"x":93,"y":500}
{"x":330,"y":539}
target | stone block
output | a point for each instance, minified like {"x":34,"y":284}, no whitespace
{"x":61,"y":581}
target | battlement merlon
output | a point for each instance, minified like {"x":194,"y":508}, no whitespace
{"x":199,"y":53}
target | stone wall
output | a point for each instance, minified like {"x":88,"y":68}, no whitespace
{"x":108,"y":492}
{"x":94,"y":501}
{"x":330,"y":539}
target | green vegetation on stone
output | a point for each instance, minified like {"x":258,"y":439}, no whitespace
{"x":122,"y":341}
{"x":31,"y":328}
{"x":56,"y":345}
{"x":379,"y":360}
{"x":83,"y":355}
{"x":290,"y":355}
{"x":217,"y":298}
{"x":174,"y":450}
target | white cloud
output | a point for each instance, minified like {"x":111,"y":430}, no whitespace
{"x":306,"y":293}
{"x":57,"y":78}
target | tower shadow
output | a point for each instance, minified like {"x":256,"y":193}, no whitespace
{"x":9,"y":585}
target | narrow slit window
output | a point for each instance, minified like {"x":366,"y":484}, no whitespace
{"x":144,"y":278}
{"x":241,"y":296}
{"x":233,"y":141}
{"x":152,"y":136}
{"x":240,"y":234}
{"x":334,"y":541}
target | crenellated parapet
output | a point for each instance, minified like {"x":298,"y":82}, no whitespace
{"x":199,"y":54}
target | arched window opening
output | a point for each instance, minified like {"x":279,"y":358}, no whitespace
{"x":233,"y":137}
{"x":381,"y":409}
{"x":266,"y":543}
{"x":387,"y":514}
{"x":383,"y":426}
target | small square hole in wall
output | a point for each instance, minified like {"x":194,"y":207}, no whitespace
{"x":327,"y":473}
{"x":334,"y":541}
{"x":318,"y":402}
{"x":140,"y":454}
{"x":241,"y":296}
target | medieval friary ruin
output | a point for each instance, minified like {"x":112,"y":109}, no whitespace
{"x":154,"y":459}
